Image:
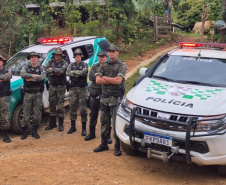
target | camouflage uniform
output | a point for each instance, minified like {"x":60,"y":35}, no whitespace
{"x":32,"y":103}
{"x":78,"y":92}
{"x":57,"y":89}
{"x":94,"y":100}
{"x":111,"y":93}
{"x":5,"y":75}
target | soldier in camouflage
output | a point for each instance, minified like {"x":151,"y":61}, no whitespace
{"x":77,"y":71}
{"x":56,"y":71}
{"x":112,"y":77}
{"x":95,"y":93}
{"x":5,"y":76}
{"x":34,"y":75}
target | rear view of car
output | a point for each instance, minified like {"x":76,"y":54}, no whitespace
{"x":176,"y":110}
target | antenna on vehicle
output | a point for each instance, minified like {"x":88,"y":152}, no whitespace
{"x":199,"y":53}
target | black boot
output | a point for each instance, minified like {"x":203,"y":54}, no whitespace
{"x":34,"y":132}
{"x":103,"y":146}
{"x":61,"y":122}
{"x":6,"y":138}
{"x":83,"y":129}
{"x":52,"y":123}
{"x":92,"y":134}
{"x":24,"y":133}
{"x":117,"y":148}
{"x":109,"y":140}
{"x":73,"y":127}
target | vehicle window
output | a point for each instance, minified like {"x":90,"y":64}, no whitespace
{"x":197,"y":69}
{"x":104,"y":44}
{"x":84,"y":52}
{"x":16,"y":63}
{"x":90,"y":50}
{"x":66,"y":57}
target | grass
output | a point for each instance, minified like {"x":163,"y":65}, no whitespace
{"x":137,"y":48}
{"x":131,"y":80}
{"x":190,"y":34}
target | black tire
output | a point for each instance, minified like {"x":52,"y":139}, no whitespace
{"x":222,"y":169}
{"x":129,"y":150}
{"x":16,"y":119}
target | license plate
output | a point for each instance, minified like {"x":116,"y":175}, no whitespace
{"x":158,"y":139}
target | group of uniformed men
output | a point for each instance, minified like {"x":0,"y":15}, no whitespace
{"x":107,"y":88}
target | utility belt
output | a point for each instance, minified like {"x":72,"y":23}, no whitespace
{"x":6,"y":93}
{"x":95,"y":93}
{"x":77,"y":85}
{"x":31,"y":90}
{"x":57,"y":83}
{"x":115,"y":93}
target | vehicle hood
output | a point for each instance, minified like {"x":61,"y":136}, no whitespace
{"x":178,"y":98}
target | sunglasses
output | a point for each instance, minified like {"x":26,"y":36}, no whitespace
{"x":77,"y":54}
{"x":111,"y":51}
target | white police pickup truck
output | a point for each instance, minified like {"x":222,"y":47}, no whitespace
{"x":90,"y":47}
{"x":177,"y":109}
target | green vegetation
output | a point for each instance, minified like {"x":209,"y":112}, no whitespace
{"x":125,"y":23}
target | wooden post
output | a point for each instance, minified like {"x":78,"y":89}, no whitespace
{"x":170,"y":7}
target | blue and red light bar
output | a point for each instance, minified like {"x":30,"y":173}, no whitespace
{"x":54,"y":40}
{"x":202,"y":45}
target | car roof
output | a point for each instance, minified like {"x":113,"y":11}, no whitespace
{"x":206,"y":53}
{"x":44,"y":48}
{"x":203,"y":51}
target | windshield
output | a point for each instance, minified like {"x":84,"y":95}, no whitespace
{"x":194,"y":70}
{"x":16,"y":63}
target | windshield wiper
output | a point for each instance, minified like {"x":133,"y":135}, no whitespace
{"x":198,"y":83}
{"x":164,"y":78}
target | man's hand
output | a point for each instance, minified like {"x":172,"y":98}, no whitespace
{"x":29,"y":79}
{"x":1,"y":80}
{"x":34,"y":75}
{"x":58,"y":74}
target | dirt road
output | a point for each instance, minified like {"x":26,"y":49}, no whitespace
{"x":61,"y":159}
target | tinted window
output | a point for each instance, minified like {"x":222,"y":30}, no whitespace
{"x":104,"y":44}
{"x":84,"y":52}
{"x":90,"y":50}
{"x":195,"y":69}
{"x":16,"y":63}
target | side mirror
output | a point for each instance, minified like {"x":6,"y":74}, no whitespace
{"x":142,"y":71}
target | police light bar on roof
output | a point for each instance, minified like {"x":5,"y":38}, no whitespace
{"x":202,"y":45}
{"x":60,"y":40}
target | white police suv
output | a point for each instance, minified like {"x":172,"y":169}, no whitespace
{"x":90,"y":47}
{"x":177,"y":109}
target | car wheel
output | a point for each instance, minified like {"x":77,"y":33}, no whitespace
{"x":129,"y":150}
{"x":221,"y":169}
{"x":16,"y":119}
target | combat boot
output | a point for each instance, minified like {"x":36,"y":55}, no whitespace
{"x":61,"y":122}
{"x":52,"y":123}
{"x":109,"y":140}
{"x":73,"y":127}
{"x":117,"y":148}
{"x":6,"y":138}
{"x":24,"y":133}
{"x":92,"y":134}
{"x":83,"y":129}
{"x":103,"y":146}
{"x":34,"y":132}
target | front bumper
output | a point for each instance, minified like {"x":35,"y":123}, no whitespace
{"x":202,"y":149}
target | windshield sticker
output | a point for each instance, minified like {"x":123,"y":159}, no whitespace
{"x":198,"y":59}
{"x":187,"y":92}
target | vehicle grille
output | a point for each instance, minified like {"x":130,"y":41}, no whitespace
{"x":162,"y":124}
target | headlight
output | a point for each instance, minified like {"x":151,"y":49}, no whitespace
{"x":217,"y":124}
{"x":125,"y":108}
